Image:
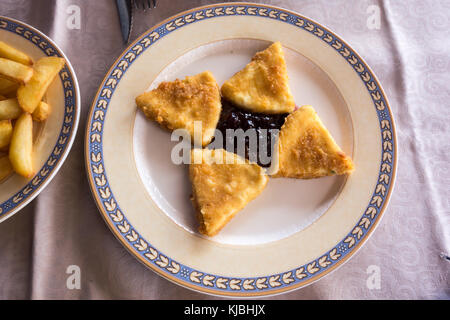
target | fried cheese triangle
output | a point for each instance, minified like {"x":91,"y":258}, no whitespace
{"x":178,"y":104}
{"x":263,"y":85}
{"x":222,"y":184}
{"x":307,"y":150}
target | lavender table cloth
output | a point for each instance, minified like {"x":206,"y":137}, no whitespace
{"x":406,"y":43}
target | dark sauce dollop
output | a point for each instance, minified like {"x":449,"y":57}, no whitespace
{"x":233,"y":117}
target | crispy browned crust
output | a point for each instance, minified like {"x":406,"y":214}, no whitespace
{"x":219,"y":191}
{"x":177,"y":104}
{"x":263,"y":85}
{"x":307,"y":150}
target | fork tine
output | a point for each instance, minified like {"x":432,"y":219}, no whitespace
{"x":144,"y":5}
{"x":140,"y":4}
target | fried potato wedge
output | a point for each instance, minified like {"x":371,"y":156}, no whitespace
{"x":5,"y":167}
{"x":6,"y":130}
{"x":45,"y":70}
{"x":15,"y":71}
{"x":42,"y":112}
{"x":21,"y":147}
{"x":11,"y":53}
{"x":10,"y":109}
{"x":8,"y":87}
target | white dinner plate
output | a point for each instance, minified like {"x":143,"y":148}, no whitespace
{"x":296,"y":231}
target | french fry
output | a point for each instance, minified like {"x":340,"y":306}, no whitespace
{"x":2,"y":97}
{"x":15,"y":71}
{"x":21,"y":147}
{"x":5,"y":133}
{"x":5,"y":167}
{"x":10,"y":109}
{"x":7,"y":87}
{"x":41,"y":112}
{"x":8,"y":52}
{"x":45,"y":70}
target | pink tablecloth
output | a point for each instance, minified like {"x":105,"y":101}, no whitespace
{"x":409,"y":50}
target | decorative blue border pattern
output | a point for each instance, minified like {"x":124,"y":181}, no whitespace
{"x":200,"y":279}
{"x":69,"y":122}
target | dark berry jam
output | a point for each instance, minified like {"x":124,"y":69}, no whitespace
{"x":233,"y":117}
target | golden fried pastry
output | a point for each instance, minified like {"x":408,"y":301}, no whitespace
{"x":263,"y":85}
{"x":307,"y":150}
{"x":220,"y":190}
{"x":177,"y":104}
